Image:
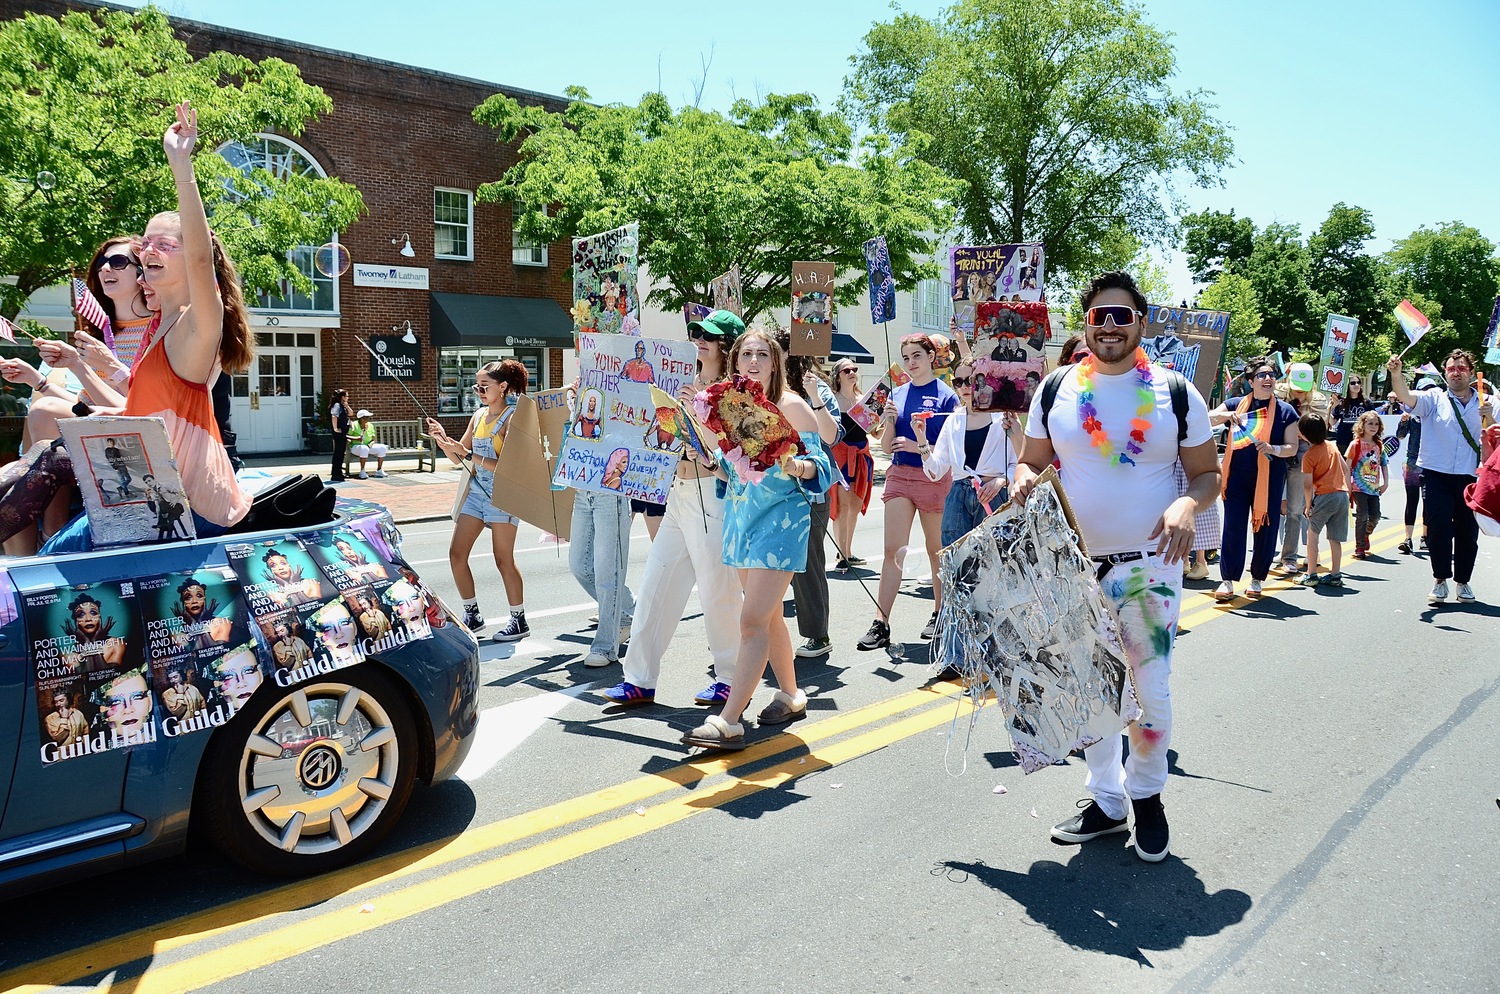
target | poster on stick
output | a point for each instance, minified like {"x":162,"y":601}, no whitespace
{"x":1009,"y":354}
{"x":612,"y":446}
{"x":882,"y":281}
{"x":726,"y":292}
{"x":867,"y":410}
{"x":1338,"y":342}
{"x":812,"y":308}
{"x":1187,"y":339}
{"x":523,"y":471}
{"x":605,"y":277}
{"x":984,"y":273}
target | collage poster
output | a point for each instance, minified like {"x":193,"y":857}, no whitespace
{"x":727,"y":293}
{"x":1009,"y":354}
{"x":1338,"y":347}
{"x":812,"y":308}
{"x":867,"y":411}
{"x":202,"y":657}
{"x":614,"y":445}
{"x":605,"y":293}
{"x":1188,"y":340}
{"x":882,"y":283}
{"x":983,"y":273}
{"x":92,"y":684}
{"x":300,"y":617}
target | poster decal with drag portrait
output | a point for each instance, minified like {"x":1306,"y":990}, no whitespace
{"x":985,"y":273}
{"x":1009,"y":354}
{"x":605,"y":299}
{"x":305,"y":628}
{"x":202,"y":658}
{"x":388,"y":610}
{"x":1023,"y":616}
{"x":93,"y":687}
{"x":130,"y":485}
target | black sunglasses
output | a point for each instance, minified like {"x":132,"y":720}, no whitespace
{"x":694,"y":334}
{"x":118,"y":262}
{"x":962,"y":381}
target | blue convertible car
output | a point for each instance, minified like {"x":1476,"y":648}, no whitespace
{"x":280,"y":692}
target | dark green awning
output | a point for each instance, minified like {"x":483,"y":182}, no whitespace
{"x":512,"y":322}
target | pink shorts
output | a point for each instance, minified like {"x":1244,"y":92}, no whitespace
{"x":911,"y":483}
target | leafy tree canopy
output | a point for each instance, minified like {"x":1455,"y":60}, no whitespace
{"x":769,"y":184}
{"x":1454,"y":267}
{"x":1235,"y":294}
{"x":84,"y":101}
{"x":1056,"y":114}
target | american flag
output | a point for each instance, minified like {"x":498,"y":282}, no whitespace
{"x":88,"y":308}
{"x":7,"y":331}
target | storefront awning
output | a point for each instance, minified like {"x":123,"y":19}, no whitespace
{"x":477,"y":319}
{"x":847,"y":346}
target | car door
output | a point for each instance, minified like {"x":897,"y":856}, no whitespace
{"x":12,"y":684}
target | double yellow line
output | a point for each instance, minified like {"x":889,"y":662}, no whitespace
{"x":383,"y":907}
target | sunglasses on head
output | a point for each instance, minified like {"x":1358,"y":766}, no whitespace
{"x":695,"y":334}
{"x":118,"y":262}
{"x":1121,"y":315}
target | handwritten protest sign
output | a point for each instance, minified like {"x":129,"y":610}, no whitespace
{"x":727,"y":293}
{"x":612,"y":445}
{"x":605,"y":298}
{"x":882,"y":282}
{"x":812,"y":308}
{"x":1338,"y":346}
{"x":983,"y":273}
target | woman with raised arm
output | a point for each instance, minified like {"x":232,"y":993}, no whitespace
{"x":766,"y":525}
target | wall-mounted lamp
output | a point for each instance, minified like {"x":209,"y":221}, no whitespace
{"x":406,"y":248}
{"x":410,"y":338}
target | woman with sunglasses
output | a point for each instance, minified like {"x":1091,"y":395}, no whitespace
{"x":689,"y":549}
{"x":852,"y":458}
{"x":908,"y":493}
{"x":1263,"y":436}
{"x":978,"y":452}
{"x":766,"y":526}
{"x":496,"y":384}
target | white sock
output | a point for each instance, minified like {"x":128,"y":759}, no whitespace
{"x":471,"y":602}
{"x":518,"y":608}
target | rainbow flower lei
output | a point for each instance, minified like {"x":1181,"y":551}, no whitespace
{"x":1088,"y":415}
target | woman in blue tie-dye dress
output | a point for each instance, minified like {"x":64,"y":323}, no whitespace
{"x":766,"y":528}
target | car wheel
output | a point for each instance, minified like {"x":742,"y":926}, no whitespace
{"x":313,"y":777}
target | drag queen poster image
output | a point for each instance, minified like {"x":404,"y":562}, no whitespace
{"x":192,"y":620}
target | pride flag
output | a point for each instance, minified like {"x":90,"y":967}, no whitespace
{"x":1412,"y":321}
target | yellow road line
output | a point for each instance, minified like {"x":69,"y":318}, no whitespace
{"x":283,"y":943}
{"x":149,"y":940}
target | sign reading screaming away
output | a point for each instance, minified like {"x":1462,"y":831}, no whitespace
{"x":604,"y":282}
{"x":727,"y":295}
{"x":1187,"y":340}
{"x":523,"y":472}
{"x":882,"y":282}
{"x":400,"y":360}
{"x":612,"y":446}
{"x":812,"y":308}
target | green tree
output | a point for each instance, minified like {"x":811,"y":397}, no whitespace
{"x":84,"y":101}
{"x":1234,"y":293}
{"x":1292,"y":313}
{"x":1216,"y":242}
{"x":769,"y":184}
{"x":1349,"y":279}
{"x":1453,"y":266}
{"x":1057,"y":115}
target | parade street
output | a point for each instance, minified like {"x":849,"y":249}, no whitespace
{"x":1333,"y":826}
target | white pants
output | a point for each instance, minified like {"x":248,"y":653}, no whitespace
{"x":686,"y":551}
{"x":1148,"y":625}
{"x":366,"y":451}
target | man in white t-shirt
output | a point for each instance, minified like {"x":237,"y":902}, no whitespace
{"x":1136,"y":527}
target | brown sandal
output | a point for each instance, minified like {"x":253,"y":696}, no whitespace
{"x":783,"y":709}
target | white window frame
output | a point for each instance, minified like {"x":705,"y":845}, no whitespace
{"x":469,"y":200}
{"x":516,"y":248}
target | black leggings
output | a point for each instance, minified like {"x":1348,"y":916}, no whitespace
{"x":1413,"y":495}
{"x":27,"y":489}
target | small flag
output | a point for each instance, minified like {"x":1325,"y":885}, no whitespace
{"x":1428,"y":369}
{"x":1412,"y":321}
{"x":86,"y":307}
{"x":8,"y":331}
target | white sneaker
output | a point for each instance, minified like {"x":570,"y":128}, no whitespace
{"x":1225,"y":592}
{"x":1439,"y":593}
{"x":363,"y":475}
{"x":1466,"y":593}
{"x":1254,"y":590}
{"x":598,"y":660}
{"x":624,"y":634}
{"x":379,"y":474}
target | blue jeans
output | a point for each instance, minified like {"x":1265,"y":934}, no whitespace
{"x":598,"y":554}
{"x":962,"y":511}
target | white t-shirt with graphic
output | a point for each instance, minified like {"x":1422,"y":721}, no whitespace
{"x":1117,"y":507}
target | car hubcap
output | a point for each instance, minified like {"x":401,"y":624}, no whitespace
{"x":319,"y":768}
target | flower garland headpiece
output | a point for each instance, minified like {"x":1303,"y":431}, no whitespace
{"x":1088,"y":415}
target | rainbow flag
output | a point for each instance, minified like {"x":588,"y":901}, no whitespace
{"x":1244,"y":435}
{"x":1412,"y":321}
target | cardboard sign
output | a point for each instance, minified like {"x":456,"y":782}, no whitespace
{"x":983,"y":273}
{"x":1188,"y":340}
{"x":605,"y":296}
{"x":1338,"y":346}
{"x":812,"y":308}
{"x":1009,"y":354}
{"x":128,"y":479}
{"x":882,"y":282}
{"x":523,"y":471}
{"x":727,"y":293}
{"x":611,"y":446}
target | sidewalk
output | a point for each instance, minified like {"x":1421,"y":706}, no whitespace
{"x":410,"y":495}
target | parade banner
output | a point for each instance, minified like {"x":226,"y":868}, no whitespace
{"x":812,"y":308}
{"x":1491,"y":345}
{"x":1338,"y":346}
{"x":93,"y":689}
{"x":1009,"y":354}
{"x":1023,"y":616}
{"x":982,"y":273}
{"x":1189,"y":340}
{"x":199,"y":648}
{"x":867,"y":411}
{"x":605,"y":276}
{"x":302,"y":622}
{"x":611,"y":446}
{"x":882,"y":282}
{"x":128,"y":479}
{"x":523,"y":471}
{"x":727,"y":293}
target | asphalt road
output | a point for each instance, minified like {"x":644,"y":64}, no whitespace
{"x":1330,"y":831}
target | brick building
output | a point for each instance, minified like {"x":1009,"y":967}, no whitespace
{"x":428,"y":259}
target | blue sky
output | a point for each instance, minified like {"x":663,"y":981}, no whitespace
{"x":1386,"y":105}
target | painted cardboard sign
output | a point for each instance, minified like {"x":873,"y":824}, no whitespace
{"x":1338,"y":345}
{"x":812,"y":308}
{"x":605,"y":278}
{"x":727,"y":293}
{"x":1187,"y":339}
{"x":523,"y":472}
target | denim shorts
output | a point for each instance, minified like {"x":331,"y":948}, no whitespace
{"x":477,"y":505}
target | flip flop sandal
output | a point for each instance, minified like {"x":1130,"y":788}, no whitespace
{"x":783,"y":709}
{"x":1310,"y":580}
{"x":716,"y":733}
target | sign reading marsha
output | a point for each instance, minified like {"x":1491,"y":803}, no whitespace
{"x":399,"y":277}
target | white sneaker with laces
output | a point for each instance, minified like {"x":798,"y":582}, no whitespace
{"x":1439,"y":593}
{"x":1254,"y":590}
{"x":598,"y":660}
{"x":1466,"y":593}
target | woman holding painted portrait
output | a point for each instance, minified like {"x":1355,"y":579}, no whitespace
{"x":766,"y":526}
{"x":852,"y":457}
{"x":496,"y":383}
{"x":689,"y":549}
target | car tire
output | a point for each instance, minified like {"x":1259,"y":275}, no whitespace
{"x":310,"y":778}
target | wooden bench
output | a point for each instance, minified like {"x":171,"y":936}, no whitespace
{"x":404,"y":439}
